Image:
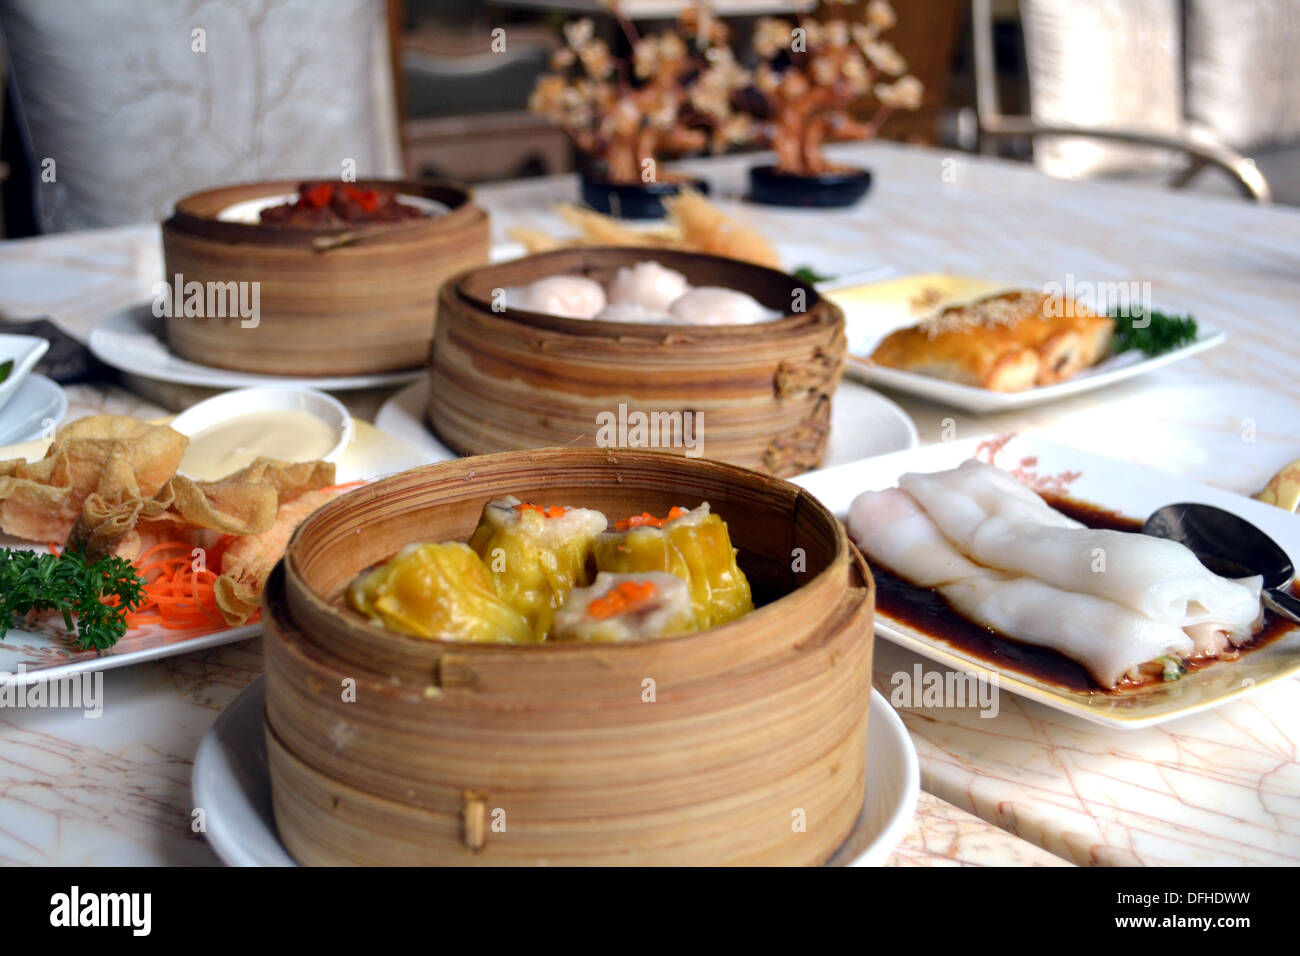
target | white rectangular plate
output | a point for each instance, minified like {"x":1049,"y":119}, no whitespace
{"x":46,"y":652}
{"x":1131,"y":490}
{"x":873,"y":311}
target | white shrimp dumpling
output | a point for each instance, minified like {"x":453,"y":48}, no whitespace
{"x":713,"y":305}
{"x":632,"y":312}
{"x":572,"y":297}
{"x":648,"y":284}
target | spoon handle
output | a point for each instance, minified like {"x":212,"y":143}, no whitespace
{"x":1281,"y":603}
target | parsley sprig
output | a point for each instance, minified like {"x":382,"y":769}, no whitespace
{"x":1151,"y":332}
{"x":6,"y":367}
{"x":810,"y":275}
{"x":99,"y":593}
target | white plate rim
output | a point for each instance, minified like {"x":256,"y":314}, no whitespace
{"x":32,"y":386}
{"x":131,"y":320}
{"x":28,"y":350}
{"x":396,"y":416}
{"x":974,"y":399}
{"x":215,"y":769}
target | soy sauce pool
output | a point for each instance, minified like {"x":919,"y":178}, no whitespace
{"x":926,"y":611}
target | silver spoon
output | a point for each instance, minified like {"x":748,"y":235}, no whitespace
{"x":1231,"y":547}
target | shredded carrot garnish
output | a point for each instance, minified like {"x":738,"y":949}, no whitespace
{"x":646,"y":520}
{"x":179,"y":596}
{"x":554,"y":511}
{"x":625,"y":596}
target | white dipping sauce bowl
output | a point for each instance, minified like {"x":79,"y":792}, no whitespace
{"x":245,"y":401}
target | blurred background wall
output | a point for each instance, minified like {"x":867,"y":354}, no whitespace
{"x":117,"y":94}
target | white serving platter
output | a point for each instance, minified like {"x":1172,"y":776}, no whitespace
{"x":1131,"y":490}
{"x":46,"y":652}
{"x":874,"y":310}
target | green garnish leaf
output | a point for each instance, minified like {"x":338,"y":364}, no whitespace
{"x":1174,"y":668}
{"x":810,"y":275}
{"x":1151,"y":332}
{"x":6,"y":367}
{"x":99,"y":593}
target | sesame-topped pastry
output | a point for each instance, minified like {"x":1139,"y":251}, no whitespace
{"x":1006,"y":342}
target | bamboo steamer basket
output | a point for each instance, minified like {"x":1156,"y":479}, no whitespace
{"x":352,"y":300}
{"x":516,"y":379}
{"x":743,"y":744}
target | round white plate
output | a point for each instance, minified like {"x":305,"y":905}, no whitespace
{"x":232,"y":785}
{"x":133,"y":340}
{"x":863,"y":424}
{"x":37,"y":402}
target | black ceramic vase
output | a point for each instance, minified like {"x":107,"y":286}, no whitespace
{"x":634,"y":200}
{"x":769,"y":185}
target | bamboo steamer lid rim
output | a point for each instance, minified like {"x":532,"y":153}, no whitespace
{"x":196,"y":214}
{"x":463,"y":289}
{"x":845,"y":557}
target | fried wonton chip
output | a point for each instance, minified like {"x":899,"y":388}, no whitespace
{"x":706,"y":228}
{"x":114,"y":457}
{"x":694,"y":224}
{"x":243,"y":503}
{"x":249,"y":559}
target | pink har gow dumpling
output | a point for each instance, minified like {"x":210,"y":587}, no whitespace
{"x":648,"y":284}
{"x":572,"y":297}
{"x":713,"y":305}
{"x":631,"y":312}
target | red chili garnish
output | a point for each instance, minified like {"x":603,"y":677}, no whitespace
{"x":646,"y":520}
{"x":316,"y":195}
{"x":624,"y":596}
{"x":367,"y":199}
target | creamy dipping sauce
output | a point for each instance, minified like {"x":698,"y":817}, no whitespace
{"x":218,"y":450}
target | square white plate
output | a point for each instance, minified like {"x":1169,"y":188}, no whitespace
{"x":24,"y":351}
{"x":1131,"y":490}
{"x":873,"y":311}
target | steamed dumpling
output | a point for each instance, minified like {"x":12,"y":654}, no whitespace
{"x":573,"y":297}
{"x":713,"y":305}
{"x":631,"y":312}
{"x":648,"y":284}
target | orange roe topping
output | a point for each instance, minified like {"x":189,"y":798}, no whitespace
{"x":554,"y":511}
{"x":646,"y":520}
{"x":625,"y":596}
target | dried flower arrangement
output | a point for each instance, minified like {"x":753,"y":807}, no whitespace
{"x":678,"y":92}
{"x":811,"y":73}
{"x":674,"y":96}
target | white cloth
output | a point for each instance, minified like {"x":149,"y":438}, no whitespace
{"x":136,"y":109}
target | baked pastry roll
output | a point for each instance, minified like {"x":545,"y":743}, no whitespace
{"x":1006,"y":342}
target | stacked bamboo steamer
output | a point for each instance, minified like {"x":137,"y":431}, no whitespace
{"x":513,"y":379}
{"x":346,"y":300}
{"x":743,"y":744}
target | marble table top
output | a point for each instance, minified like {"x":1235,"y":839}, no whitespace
{"x":1027,"y":787}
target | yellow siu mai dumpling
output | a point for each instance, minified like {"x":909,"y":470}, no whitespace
{"x":438,"y":591}
{"x":626,"y":607}
{"x":693,"y":545}
{"x":536,"y":554}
